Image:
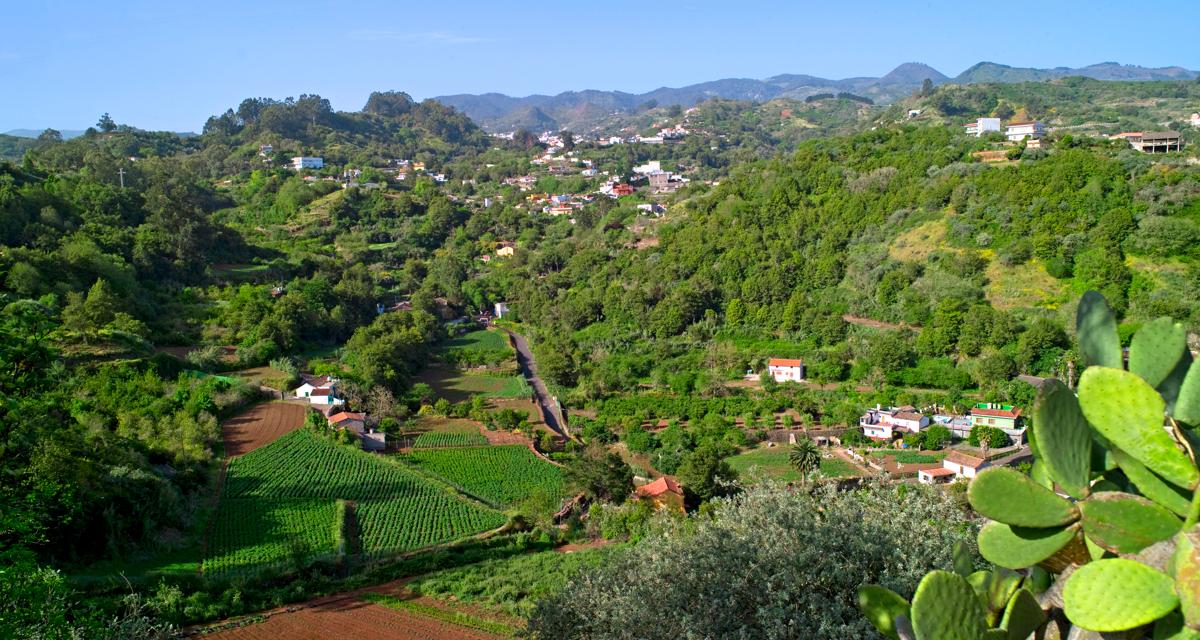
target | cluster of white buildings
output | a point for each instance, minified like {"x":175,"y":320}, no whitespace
{"x":885,"y":424}
{"x":1014,"y":131}
{"x":307,"y":162}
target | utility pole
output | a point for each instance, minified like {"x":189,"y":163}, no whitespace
{"x":121,"y":176}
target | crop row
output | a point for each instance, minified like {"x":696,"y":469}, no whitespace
{"x":501,"y":475}
{"x":281,"y":498}
{"x":436,"y":439}
{"x":254,"y":534}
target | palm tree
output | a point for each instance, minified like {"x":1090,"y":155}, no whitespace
{"x":805,"y":457}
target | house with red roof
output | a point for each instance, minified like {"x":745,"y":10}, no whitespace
{"x":883,"y":423}
{"x":353,"y":422}
{"x":786,"y":369}
{"x":622,"y":189}
{"x":663,"y":493}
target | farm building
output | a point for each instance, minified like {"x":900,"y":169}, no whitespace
{"x":963,"y":465}
{"x":786,"y":369}
{"x":883,"y":422}
{"x":1005,"y":417}
{"x":664,"y":493}
{"x":354,"y":422}
{"x":374,"y":441}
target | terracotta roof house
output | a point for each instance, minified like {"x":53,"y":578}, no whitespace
{"x":354,"y":422}
{"x":1005,"y":417}
{"x":934,"y":476}
{"x":664,"y":493}
{"x":786,"y":369}
{"x":963,"y":465}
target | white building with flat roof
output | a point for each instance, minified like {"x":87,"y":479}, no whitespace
{"x":307,"y":162}
{"x":1018,"y":131}
{"x":982,"y":126}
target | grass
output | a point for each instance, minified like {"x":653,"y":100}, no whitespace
{"x":453,"y":617}
{"x":773,"y":463}
{"x":1023,"y":286}
{"x":909,"y":457}
{"x":456,"y":386}
{"x":511,"y":585}
{"x":502,"y":475}
{"x":482,"y":339}
{"x":918,"y":243}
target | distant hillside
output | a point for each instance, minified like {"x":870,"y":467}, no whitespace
{"x":67,"y":134}
{"x":993,"y":72}
{"x":583,"y":111}
{"x":1071,"y":105}
{"x":14,"y":147}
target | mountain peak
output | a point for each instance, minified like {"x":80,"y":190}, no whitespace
{"x":912,"y":73}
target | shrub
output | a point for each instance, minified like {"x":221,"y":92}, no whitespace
{"x":751,"y":567}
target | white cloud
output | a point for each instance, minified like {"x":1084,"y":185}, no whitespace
{"x":417,"y":37}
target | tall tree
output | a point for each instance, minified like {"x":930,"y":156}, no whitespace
{"x":106,"y":123}
{"x":805,"y":457}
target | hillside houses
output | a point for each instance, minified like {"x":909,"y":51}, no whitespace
{"x":307,"y":162}
{"x":885,"y":423}
{"x":321,"y":393}
{"x":889,"y":423}
{"x":663,"y":493}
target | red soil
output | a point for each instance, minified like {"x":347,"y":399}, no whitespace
{"x":260,"y":426}
{"x":350,"y":618}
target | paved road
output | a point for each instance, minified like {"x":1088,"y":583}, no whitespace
{"x":529,"y":368}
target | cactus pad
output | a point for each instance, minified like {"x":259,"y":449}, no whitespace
{"x":1117,"y":594}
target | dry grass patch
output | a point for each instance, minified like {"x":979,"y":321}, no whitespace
{"x":1023,"y":286}
{"x":918,"y":243}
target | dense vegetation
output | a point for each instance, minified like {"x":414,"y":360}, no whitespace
{"x":771,"y":564}
{"x":900,"y":268}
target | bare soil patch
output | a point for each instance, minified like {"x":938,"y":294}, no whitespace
{"x":351,"y":618}
{"x":261,"y":425}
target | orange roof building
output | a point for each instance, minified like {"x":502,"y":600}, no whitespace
{"x":664,"y":493}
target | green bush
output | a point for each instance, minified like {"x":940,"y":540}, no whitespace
{"x":751,"y":567}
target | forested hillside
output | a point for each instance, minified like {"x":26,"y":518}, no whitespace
{"x":898,"y":225}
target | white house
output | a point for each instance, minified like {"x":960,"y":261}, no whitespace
{"x":307,"y":162}
{"x":1018,"y":131}
{"x":786,"y":369}
{"x":1195,"y":120}
{"x":312,"y":383}
{"x":326,"y":396}
{"x":883,"y":422}
{"x":963,"y":465}
{"x":982,"y":126}
{"x":648,"y":168}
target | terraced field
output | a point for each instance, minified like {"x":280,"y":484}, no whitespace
{"x":501,"y":475}
{"x":278,"y":502}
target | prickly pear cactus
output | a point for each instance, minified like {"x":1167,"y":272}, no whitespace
{"x":1104,"y":531}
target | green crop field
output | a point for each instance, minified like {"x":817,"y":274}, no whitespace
{"x":436,"y":439}
{"x":282,"y":496}
{"x":501,"y":475}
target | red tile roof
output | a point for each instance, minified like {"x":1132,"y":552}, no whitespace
{"x":937,"y":473}
{"x":965,"y":460}
{"x":658,"y":487}
{"x":997,"y":413}
{"x":322,"y":391}
{"x":346,"y":415}
{"x":785,"y":362}
{"x":905,"y":415}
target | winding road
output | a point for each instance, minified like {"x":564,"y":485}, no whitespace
{"x":528,"y":366}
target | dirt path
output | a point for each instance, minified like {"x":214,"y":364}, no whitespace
{"x":875,"y":324}
{"x":529,"y":367}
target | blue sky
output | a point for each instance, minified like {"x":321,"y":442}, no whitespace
{"x":170,"y":65}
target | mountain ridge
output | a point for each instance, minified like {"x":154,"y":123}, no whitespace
{"x":580,"y":109}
